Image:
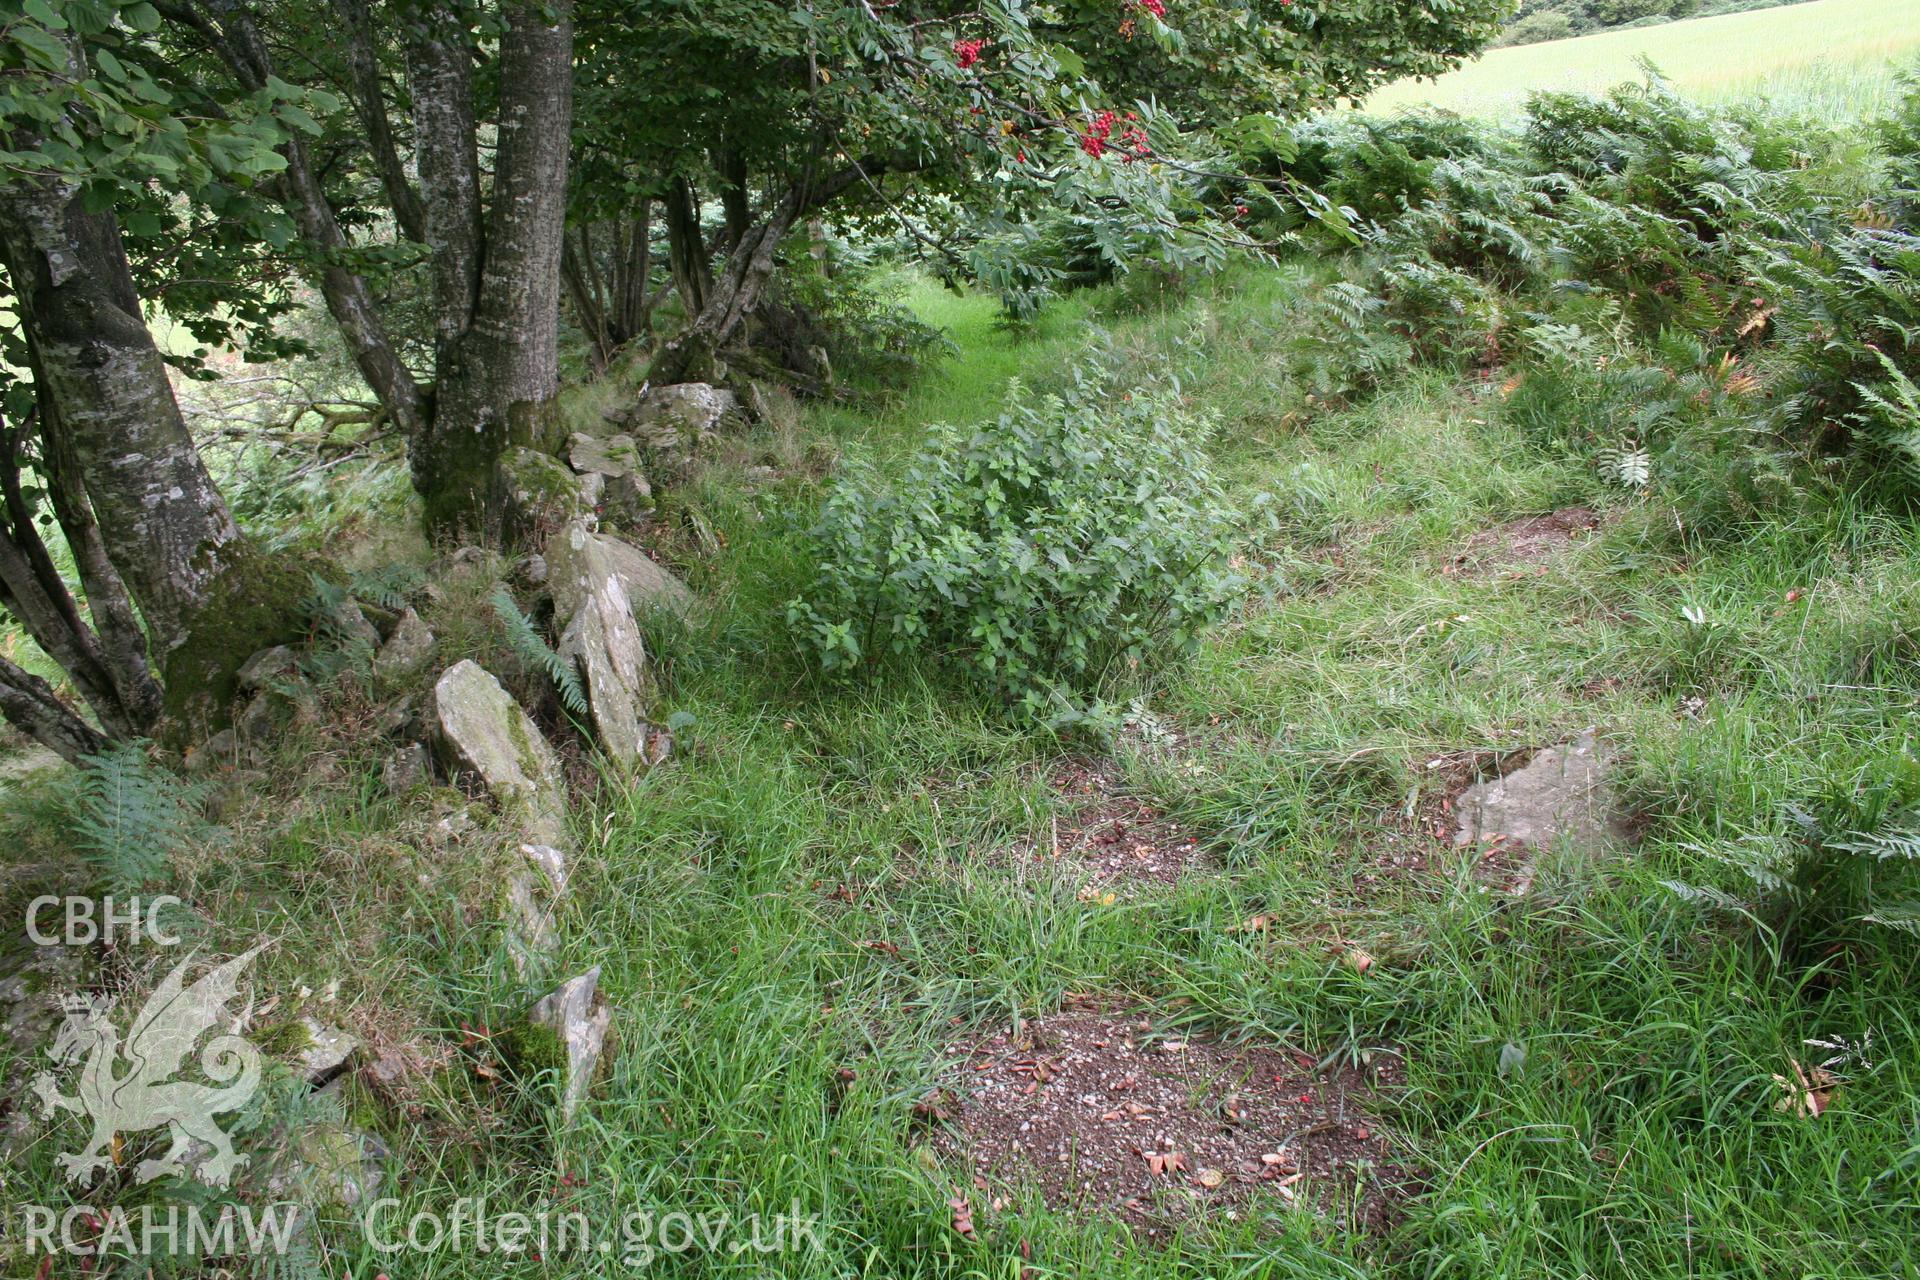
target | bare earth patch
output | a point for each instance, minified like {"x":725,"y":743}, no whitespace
{"x":1094,"y":1110}
{"x":1525,"y":544}
{"x":1110,"y":835}
{"x":1411,"y":842}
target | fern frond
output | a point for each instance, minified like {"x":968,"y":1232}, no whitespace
{"x":131,"y":817}
{"x":532,"y":648}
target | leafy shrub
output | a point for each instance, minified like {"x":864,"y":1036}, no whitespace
{"x":1036,"y":550}
{"x":1381,"y":168}
{"x":856,"y":315}
{"x":1344,"y":345}
{"x":1484,"y":219}
{"x":1447,"y":317}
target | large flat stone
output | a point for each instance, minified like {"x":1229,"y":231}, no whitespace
{"x":485,"y":732}
{"x":1558,"y":801}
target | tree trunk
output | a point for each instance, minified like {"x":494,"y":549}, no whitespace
{"x":735,"y":202}
{"x":589,"y":300}
{"x":123,"y":697}
{"x":238,"y":43}
{"x":499,"y":374}
{"x":738,"y":293}
{"x":613,"y":312}
{"x":29,"y":704}
{"x":165,"y":524}
{"x":208,"y":598}
{"x":370,"y":104}
{"x":687,"y":248}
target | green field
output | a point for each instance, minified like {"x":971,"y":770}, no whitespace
{"x":1835,"y":57}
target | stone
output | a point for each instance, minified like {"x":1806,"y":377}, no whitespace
{"x":34,"y":981}
{"x":267,"y":666}
{"x":483,"y":731}
{"x":399,"y":719}
{"x":533,"y":897}
{"x":593,"y":488}
{"x":328,"y":1162}
{"x":594,"y":605}
{"x":614,"y":455}
{"x":450,"y":828}
{"x":348,"y":623}
{"x":671,"y":424}
{"x":534,"y":569}
{"x":542,"y":493}
{"x":406,"y":650}
{"x":603,"y":642}
{"x":578,"y":558}
{"x":220,"y":751}
{"x":771,"y":404}
{"x":1558,"y":801}
{"x":627,"y":500}
{"x":408,"y":767}
{"x":267,"y":716}
{"x":472,"y":558}
{"x":328,"y":1051}
{"x":579,"y":1018}
{"x":236,"y":793}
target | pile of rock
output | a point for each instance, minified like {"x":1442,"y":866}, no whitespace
{"x":609,"y":468}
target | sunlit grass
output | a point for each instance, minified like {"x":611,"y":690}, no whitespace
{"x":1837,"y":57}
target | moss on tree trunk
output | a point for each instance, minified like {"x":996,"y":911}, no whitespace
{"x":256,"y":602}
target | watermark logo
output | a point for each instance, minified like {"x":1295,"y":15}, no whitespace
{"x":131,"y":1087}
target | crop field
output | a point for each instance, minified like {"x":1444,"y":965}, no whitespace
{"x":1834,"y":58}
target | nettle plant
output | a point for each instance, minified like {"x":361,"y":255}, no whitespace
{"x":1041,"y":550}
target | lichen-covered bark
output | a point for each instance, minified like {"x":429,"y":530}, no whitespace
{"x":110,"y":608}
{"x":163,"y":521}
{"x":34,"y":593}
{"x":499,"y":375}
{"x":30,"y":705}
{"x":440,"y":76}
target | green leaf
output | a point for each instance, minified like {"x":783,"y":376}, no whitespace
{"x":141,"y":17}
{"x":46,"y":50}
{"x":298,"y":118}
{"x":42,"y":12}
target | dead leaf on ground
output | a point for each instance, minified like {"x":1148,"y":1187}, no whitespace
{"x":963,"y":1217}
{"x":1808,"y":1093}
{"x":1161,"y":1163}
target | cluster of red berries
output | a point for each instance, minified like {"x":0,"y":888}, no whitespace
{"x":968,"y":51}
{"x":1132,"y":143}
{"x":1094,"y":140}
{"x":1158,"y":8}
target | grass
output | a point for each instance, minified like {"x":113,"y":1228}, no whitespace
{"x":1831,"y":58}
{"x":770,"y":1055}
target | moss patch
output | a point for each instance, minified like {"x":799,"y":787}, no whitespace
{"x":258,"y":601}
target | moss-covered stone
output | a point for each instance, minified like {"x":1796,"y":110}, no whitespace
{"x":257,"y":602}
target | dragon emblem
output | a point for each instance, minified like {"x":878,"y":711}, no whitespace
{"x":125,"y":1089}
